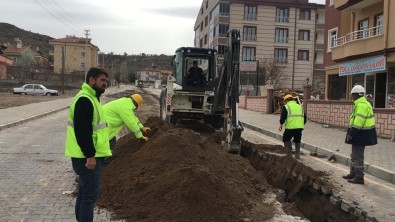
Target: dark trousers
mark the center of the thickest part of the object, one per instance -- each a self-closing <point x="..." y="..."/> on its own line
<point x="296" y="134"/>
<point x="88" y="188"/>
<point x="357" y="160"/>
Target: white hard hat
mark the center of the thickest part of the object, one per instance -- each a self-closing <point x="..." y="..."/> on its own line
<point x="358" y="89"/>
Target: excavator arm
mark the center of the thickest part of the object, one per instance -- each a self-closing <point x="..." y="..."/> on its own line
<point x="228" y="92"/>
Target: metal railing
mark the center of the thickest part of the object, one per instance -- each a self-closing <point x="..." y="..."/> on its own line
<point x="250" y="17"/>
<point x="249" y="38"/>
<point x="281" y="60"/>
<point x="358" y="35"/>
<point x="282" y="19"/>
<point x="281" y="40"/>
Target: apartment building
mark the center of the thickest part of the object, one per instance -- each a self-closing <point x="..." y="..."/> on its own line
<point x="363" y="47"/>
<point x="289" y="32"/>
<point x="79" y="54"/>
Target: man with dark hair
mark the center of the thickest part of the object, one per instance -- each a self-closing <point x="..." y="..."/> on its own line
<point x="87" y="141"/>
<point x="195" y="76"/>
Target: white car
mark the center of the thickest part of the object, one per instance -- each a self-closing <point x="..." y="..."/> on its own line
<point x="35" y="89"/>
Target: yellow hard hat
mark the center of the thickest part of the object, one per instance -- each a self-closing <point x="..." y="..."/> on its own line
<point x="137" y="98"/>
<point x="289" y="96"/>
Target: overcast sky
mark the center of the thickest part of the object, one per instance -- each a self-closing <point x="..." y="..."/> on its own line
<point x="134" y="27"/>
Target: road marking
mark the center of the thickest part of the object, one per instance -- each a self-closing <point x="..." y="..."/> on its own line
<point x="346" y="171"/>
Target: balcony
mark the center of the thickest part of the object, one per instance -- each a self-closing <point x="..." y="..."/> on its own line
<point x="360" y="35"/>
<point x="358" y="42"/>
<point x="282" y="19"/>
<point x="250" y="17"/>
<point x="281" y="39"/>
<point x="354" y="5"/>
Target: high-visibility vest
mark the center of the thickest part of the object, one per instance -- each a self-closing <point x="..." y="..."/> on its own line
<point x="100" y="129"/>
<point x="119" y="113"/>
<point x="362" y="117"/>
<point x="295" y="116"/>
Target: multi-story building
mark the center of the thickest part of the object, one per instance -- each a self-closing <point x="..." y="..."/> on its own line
<point x="364" y="49"/>
<point x="288" y="32"/>
<point x="78" y="54"/>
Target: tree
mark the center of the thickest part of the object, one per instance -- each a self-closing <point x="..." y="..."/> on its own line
<point x="26" y="62"/>
<point x="273" y="71"/>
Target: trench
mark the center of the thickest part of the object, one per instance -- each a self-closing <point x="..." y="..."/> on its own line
<point x="306" y="188"/>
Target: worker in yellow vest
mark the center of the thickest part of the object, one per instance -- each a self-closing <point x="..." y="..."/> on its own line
<point x="120" y="113"/>
<point x="361" y="132"/>
<point x="294" y="119"/>
<point x="87" y="141"/>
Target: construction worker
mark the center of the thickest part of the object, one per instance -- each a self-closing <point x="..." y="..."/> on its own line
<point x="294" y="118"/>
<point x="87" y="141"/>
<point x="361" y="132"/>
<point x="195" y="75"/>
<point x="119" y="113"/>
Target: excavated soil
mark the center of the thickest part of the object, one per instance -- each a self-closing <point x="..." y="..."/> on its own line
<point x="178" y="176"/>
<point x="183" y="174"/>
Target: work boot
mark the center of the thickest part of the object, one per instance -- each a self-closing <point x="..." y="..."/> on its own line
<point x="349" y="176"/>
<point x="288" y="148"/>
<point x="356" y="180"/>
<point x="297" y="151"/>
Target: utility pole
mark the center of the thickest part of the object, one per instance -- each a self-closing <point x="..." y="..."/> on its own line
<point x="63" y="66"/>
<point x="86" y="50"/>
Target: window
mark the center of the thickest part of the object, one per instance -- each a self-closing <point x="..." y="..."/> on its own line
<point x="82" y="66"/>
<point x="201" y="11"/>
<point x="337" y="87"/>
<point x="224" y="9"/>
<point x="363" y="29"/>
<point x="303" y="55"/>
<point x="222" y="30"/>
<point x="29" y="87"/>
<point x="221" y="49"/>
<point x="206" y="21"/>
<point x="281" y="35"/>
<point x="332" y="39"/>
<point x="281" y="55"/>
<point x="206" y="4"/>
<point x="205" y="39"/>
<point x="249" y="53"/>
<point x="282" y="15"/>
<point x="378" y="24"/>
<point x="249" y="33"/>
<point x="201" y="26"/>
<point x="250" y="13"/>
<point x="82" y="54"/>
<point x="304" y="14"/>
<point x="304" y="35"/>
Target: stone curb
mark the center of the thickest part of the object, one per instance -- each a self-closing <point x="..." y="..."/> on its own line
<point x="373" y="170"/>
<point x="18" y="122"/>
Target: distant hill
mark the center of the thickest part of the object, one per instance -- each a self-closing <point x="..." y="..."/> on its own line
<point x="115" y="64"/>
<point x="9" y="32"/>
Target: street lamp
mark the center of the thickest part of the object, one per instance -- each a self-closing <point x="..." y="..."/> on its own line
<point x="307" y="81"/>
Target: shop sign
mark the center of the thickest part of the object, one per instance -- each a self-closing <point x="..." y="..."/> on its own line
<point x="248" y="66"/>
<point x="360" y="66"/>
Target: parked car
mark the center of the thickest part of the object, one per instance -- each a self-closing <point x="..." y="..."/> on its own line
<point x="35" y="89"/>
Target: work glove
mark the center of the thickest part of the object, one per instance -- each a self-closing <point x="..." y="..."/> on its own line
<point x="144" y="138"/>
<point x="145" y="129"/>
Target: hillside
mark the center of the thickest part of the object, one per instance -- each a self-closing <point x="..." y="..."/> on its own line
<point x="9" y="32"/>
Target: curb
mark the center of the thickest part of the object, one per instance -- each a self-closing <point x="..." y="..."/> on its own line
<point x="18" y="122"/>
<point x="373" y="170"/>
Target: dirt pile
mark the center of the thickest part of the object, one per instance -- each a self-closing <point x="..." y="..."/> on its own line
<point x="180" y="176"/>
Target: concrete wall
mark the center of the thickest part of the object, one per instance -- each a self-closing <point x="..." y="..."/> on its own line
<point x="254" y="103"/>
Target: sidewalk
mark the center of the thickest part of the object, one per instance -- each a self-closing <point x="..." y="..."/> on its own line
<point x="379" y="159"/>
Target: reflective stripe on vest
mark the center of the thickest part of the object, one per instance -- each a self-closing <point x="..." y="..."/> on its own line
<point x="98" y="125"/>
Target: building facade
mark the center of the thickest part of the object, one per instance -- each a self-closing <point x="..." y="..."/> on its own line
<point x="77" y="54"/>
<point x="288" y="32"/>
<point x="4" y="62"/>
<point x="363" y="47"/>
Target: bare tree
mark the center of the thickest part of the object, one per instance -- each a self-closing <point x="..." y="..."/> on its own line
<point x="26" y="62"/>
<point x="274" y="72"/>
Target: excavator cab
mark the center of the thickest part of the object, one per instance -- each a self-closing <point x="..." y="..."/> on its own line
<point x="194" y="69"/>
